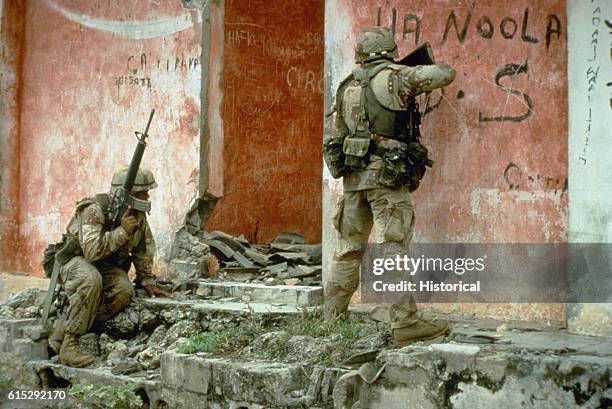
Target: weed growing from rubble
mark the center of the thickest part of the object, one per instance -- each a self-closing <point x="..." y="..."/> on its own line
<point x="340" y="335"/>
<point x="112" y="397"/>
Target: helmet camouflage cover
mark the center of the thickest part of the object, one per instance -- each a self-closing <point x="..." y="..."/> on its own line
<point x="144" y="180"/>
<point x="374" y="43"/>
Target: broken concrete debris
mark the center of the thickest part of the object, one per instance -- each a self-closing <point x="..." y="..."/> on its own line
<point x="196" y="354"/>
<point x="287" y="260"/>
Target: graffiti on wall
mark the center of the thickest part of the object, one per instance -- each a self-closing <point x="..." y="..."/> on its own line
<point x="460" y="25"/>
<point x="139" y="68"/>
<point x="272" y="110"/>
<point x="609" y="84"/>
<point x="498" y="133"/>
<point x="592" y="74"/>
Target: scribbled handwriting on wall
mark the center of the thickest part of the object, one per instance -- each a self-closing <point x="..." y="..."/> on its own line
<point x="592" y="74"/>
<point x="516" y="179"/>
<point x="459" y="23"/>
<point x="140" y="68"/>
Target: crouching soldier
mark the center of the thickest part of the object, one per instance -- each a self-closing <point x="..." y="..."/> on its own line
<point x="96" y="279"/>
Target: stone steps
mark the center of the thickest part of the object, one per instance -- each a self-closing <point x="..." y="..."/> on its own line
<point x="221" y="307"/>
<point x="300" y="296"/>
<point x="55" y="375"/>
<point x="196" y="381"/>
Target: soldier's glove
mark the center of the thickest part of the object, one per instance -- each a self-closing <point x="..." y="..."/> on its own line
<point x="129" y="223"/>
<point x="154" y="291"/>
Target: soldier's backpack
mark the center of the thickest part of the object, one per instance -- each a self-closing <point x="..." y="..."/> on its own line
<point x="400" y="166"/>
<point x="69" y="246"/>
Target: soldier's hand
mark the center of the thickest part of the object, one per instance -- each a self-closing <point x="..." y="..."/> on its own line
<point x="129" y="223"/>
<point x="155" y="291"/>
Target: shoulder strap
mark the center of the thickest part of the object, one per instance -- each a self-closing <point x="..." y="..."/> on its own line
<point x="340" y="93"/>
<point x="104" y="202"/>
<point x="364" y="75"/>
<point x="101" y="199"/>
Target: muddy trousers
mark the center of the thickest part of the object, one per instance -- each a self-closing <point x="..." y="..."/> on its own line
<point x="93" y="295"/>
<point x="390" y="212"/>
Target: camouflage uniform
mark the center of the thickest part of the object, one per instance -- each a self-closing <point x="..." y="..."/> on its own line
<point x="97" y="283"/>
<point x="366" y="202"/>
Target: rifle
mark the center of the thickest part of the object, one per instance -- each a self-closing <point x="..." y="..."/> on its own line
<point x="423" y="55"/>
<point x="71" y="245"/>
<point x="122" y="197"/>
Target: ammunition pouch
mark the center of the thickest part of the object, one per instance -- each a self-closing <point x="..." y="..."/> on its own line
<point x="333" y="154"/>
<point x="357" y="150"/>
<point x="403" y="166"/>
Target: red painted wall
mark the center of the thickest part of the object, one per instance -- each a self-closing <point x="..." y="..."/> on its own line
<point x="498" y="133"/>
<point x="12" y="23"/>
<point x="92" y="73"/>
<point x="272" y="115"/>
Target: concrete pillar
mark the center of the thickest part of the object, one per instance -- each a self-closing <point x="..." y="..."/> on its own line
<point x="590" y="147"/>
<point x="12" y="22"/>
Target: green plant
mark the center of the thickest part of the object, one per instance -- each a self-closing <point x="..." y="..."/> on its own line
<point x="108" y="396"/>
<point x="4" y="382"/>
<point x="234" y="340"/>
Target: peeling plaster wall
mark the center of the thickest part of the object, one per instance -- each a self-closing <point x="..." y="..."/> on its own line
<point x="91" y="74"/>
<point x="272" y="120"/>
<point x="11" y="60"/>
<point x="498" y="134"/>
<point x="590" y="109"/>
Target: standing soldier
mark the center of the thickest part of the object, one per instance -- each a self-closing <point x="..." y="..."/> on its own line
<point x="375" y="147"/>
<point x="96" y="277"/>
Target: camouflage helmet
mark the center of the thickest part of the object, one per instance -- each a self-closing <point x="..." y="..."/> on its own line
<point x="144" y="180"/>
<point x="374" y="43"/>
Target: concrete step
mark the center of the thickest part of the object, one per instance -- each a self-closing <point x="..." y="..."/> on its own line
<point x="226" y="307"/>
<point x="55" y="375"/>
<point x="191" y="380"/>
<point x="300" y="296"/>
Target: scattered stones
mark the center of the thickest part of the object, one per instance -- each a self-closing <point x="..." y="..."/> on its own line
<point x="118" y="354"/>
<point x="24" y="299"/>
<point x="158" y="335"/>
<point x="147" y="319"/>
<point x="265" y="340"/>
<point x="89" y="344"/>
<point x="6" y="311"/>
<point x="288" y="257"/>
<point x="172" y="316"/>
<point x="126" y="368"/>
<point x="370" y="342"/>
<point x="182" y="329"/>
<point x="121" y="326"/>
<point x="149" y="358"/>
<point x="292" y="281"/>
<point x="31" y="312"/>
<point x="303" y="348"/>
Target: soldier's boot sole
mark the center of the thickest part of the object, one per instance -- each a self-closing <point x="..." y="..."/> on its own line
<point x="78" y="363"/>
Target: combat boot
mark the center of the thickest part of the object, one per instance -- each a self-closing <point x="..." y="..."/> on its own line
<point x="70" y="352"/>
<point x="421" y="330"/>
<point x="57" y="336"/>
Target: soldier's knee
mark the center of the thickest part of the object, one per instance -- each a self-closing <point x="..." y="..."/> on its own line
<point x="345" y="275"/>
<point x="124" y="292"/>
<point x="348" y="255"/>
<point x="91" y="277"/>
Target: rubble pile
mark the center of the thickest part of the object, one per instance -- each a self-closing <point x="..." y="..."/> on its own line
<point x="24" y="304"/>
<point x="287" y="260"/>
